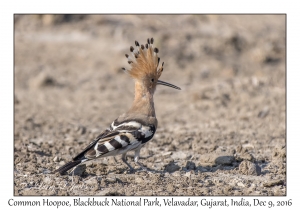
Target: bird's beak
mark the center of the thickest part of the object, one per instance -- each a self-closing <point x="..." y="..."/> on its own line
<point x="159" y="82"/>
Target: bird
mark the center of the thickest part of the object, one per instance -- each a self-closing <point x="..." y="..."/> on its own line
<point x="134" y="128"/>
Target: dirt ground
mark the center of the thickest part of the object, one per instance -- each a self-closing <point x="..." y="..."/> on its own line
<point x="224" y="133"/>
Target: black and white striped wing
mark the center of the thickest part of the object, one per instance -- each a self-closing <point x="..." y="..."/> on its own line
<point x="123" y="137"/>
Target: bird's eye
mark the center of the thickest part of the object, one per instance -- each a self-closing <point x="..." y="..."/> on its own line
<point x="152" y="80"/>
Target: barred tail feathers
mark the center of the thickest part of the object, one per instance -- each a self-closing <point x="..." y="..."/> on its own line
<point x="68" y="166"/>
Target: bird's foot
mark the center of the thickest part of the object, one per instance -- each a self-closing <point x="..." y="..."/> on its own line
<point x="143" y="168"/>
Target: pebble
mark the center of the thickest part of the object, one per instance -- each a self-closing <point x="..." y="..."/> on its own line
<point x="56" y="159"/>
<point x="111" y="179"/>
<point x="248" y="168"/>
<point x="61" y="163"/>
<point x="46" y="171"/>
<point x="79" y="170"/>
<point x="190" y="165"/>
<point x="272" y="183"/>
<point x="212" y="159"/>
<point x="172" y="167"/>
<point x="224" y="160"/>
<point x="240" y="184"/>
<point x="167" y="154"/>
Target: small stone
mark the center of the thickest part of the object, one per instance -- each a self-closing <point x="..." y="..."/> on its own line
<point x="190" y="165"/>
<point x="79" y="170"/>
<point x="188" y="174"/>
<point x="46" y="171"/>
<point x="224" y="160"/>
<point x="240" y="184"/>
<point x="248" y="168"/>
<point x="167" y="154"/>
<point x="220" y="158"/>
<point x="56" y="159"/>
<point x="111" y="179"/>
<point x="61" y="163"/>
<point x="272" y="183"/>
<point x="202" y="169"/>
<point x="103" y="192"/>
<point x="172" y="167"/>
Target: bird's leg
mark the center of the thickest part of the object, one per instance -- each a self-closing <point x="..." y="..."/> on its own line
<point x="73" y="173"/>
<point x="136" y="158"/>
<point x="125" y="161"/>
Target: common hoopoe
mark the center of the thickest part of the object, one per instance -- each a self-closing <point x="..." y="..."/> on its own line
<point x="133" y="129"/>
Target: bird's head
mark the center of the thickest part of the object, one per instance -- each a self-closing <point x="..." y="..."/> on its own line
<point x="145" y="68"/>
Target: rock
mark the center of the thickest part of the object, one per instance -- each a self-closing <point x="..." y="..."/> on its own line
<point x="167" y="154"/>
<point x="111" y="179"/>
<point x="61" y="163"/>
<point x="46" y="171"/>
<point x="240" y="184"/>
<point x="202" y="169"/>
<point x="248" y="168"/>
<point x="211" y="159"/>
<point x="272" y="183"/>
<point x="187" y="174"/>
<point x="79" y="170"/>
<point x="172" y="167"/>
<point x="224" y="160"/>
<point x="190" y="165"/>
<point x="56" y="159"/>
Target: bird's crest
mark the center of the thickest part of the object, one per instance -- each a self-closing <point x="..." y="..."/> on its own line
<point x="144" y="61"/>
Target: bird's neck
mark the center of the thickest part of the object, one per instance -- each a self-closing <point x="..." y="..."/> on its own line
<point x="143" y="101"/>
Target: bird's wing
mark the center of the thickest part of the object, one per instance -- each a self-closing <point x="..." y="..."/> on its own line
<point x="125" y="136"/>
<point x="92" y="144"/>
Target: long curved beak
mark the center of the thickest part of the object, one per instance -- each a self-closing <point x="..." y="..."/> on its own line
<point x="159" y="82"/>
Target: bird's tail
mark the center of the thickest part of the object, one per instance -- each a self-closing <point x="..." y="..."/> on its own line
<point x="68" y="166"/>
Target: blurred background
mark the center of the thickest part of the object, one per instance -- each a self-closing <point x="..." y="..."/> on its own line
<point x="69" y="84"/>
